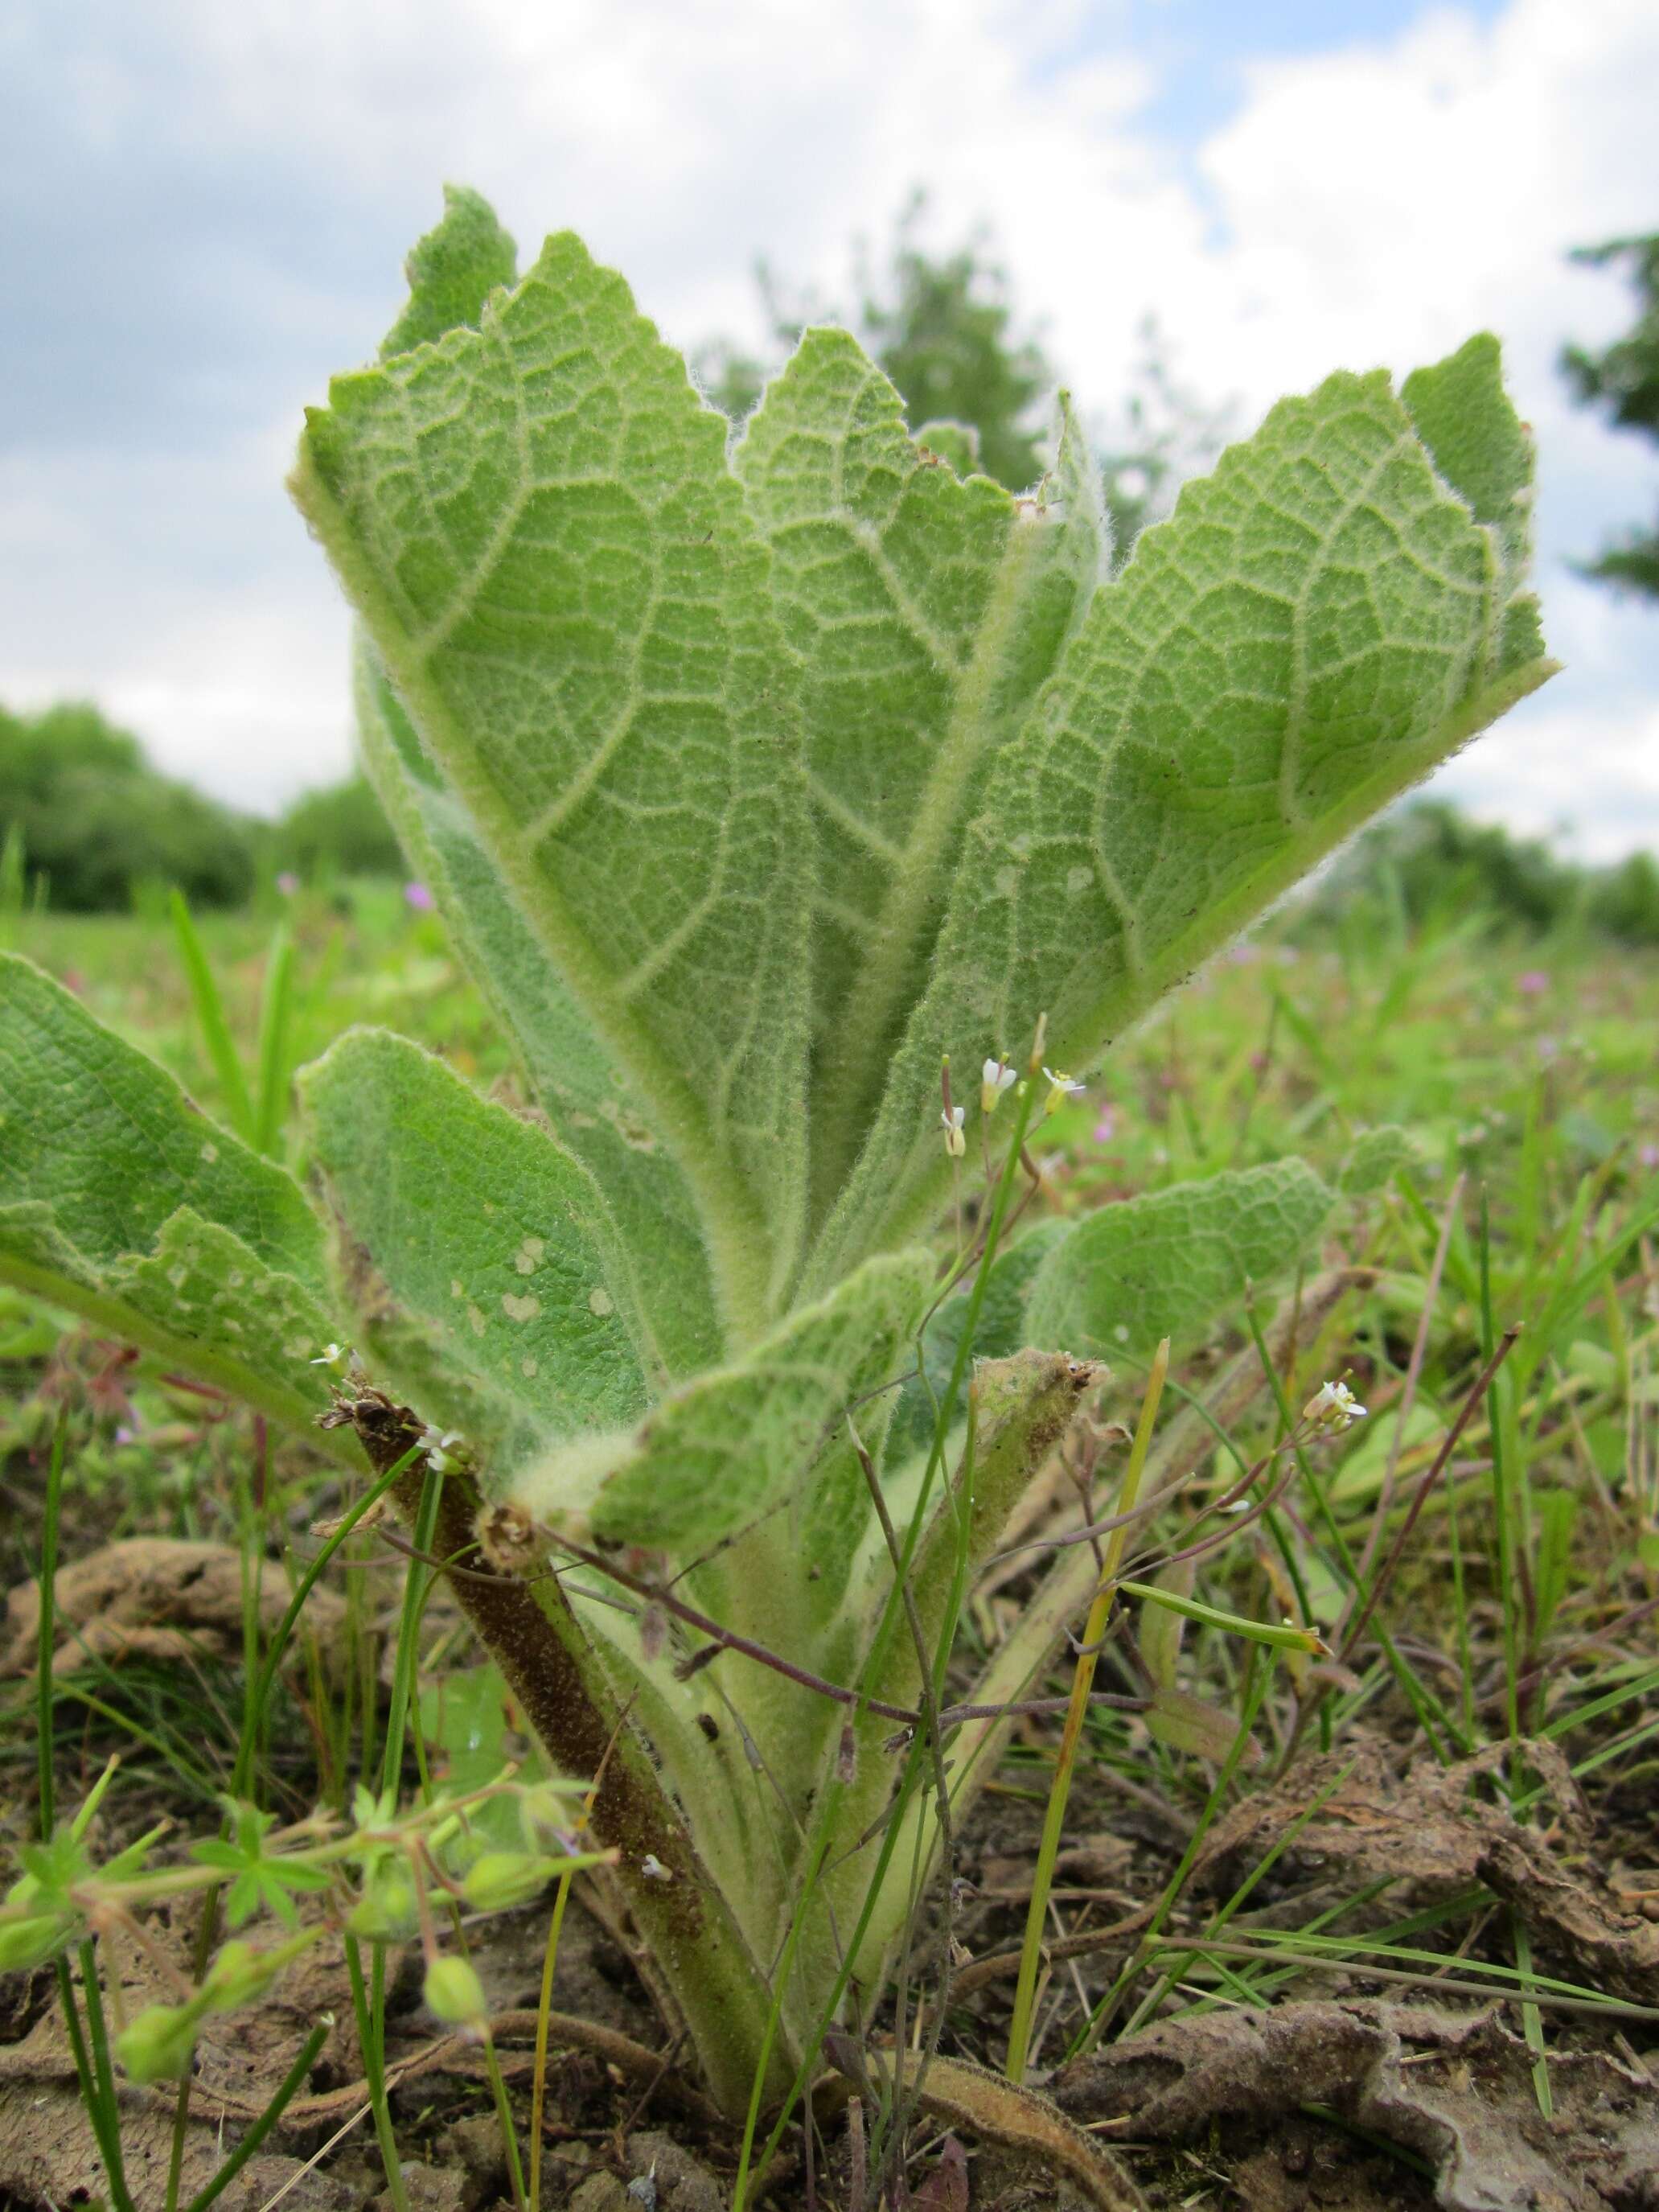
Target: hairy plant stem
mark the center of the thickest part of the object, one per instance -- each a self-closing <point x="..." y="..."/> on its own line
<point x="554" y="1675"/>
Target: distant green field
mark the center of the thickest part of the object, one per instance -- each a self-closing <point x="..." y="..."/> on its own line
<point x="1528" y="1065"/>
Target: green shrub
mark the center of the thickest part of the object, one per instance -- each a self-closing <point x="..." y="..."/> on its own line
<point x="1623" y="902"/>
<point x="339" y="830"/>
<point x="1430" y="862"/>
<point x="96" y="820"/>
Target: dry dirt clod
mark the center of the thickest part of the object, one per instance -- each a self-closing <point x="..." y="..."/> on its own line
<point x="1456" y="2089"/>
<point x="1428" y="1828"/>
<point x="602" y="2192"/>
<point x="155" y="1597"/>
<point x="680" y="2182"/>
<point x="429" y="2188"/>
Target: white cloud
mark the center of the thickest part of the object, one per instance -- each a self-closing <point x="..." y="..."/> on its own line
<point x="1374" y="202"/>
<point x="1533" y="779"/>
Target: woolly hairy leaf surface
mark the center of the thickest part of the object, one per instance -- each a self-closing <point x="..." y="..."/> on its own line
<point x="1320" y="621"/>
<point x="119" y="1198"/>
<point x="452" y="273"/>
<point x="927" y="609"/>
<point x="1164" y="1265"/>
<point x="475" y="1228"/>
<point x="662" y="1263"/>
<point x="535" y="521"/>
<point x="1477" y="442"/>
<point x="727" y="1447"/>
<point x="1375" y="1157"/>
<point x="661" y="1267"/>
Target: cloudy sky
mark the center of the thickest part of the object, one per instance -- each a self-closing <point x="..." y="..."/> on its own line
<point x="205" y="210"/>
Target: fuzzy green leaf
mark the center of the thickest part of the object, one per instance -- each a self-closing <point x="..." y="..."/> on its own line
<point x="927" y="609"/>
<point x="1477" y="442"/>
<point x="726" y="1448"/>
<point x="1321" y="622"/>
<point x="661" y="1268"/>
<point x="1165" y="1264"/>
<point x="660" y="1238"/>
<point x="452" y="273"/>
<point x="1374" y="1158"/>
<point x="468" y="1231"/>
<point x="535" y="521"/>
<point x="120" y="1200"/>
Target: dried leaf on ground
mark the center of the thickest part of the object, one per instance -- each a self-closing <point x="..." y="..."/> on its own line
<point x="1428" y="1828"/>
<point x="48" y="2155"/>
<point x="1455" y="2088"/>
<point x="946" y="2189"/>
<point x="990" y="2106"/>
<point x="155" y="1597"/>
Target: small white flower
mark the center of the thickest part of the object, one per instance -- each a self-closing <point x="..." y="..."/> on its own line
<point x="1333" y="1407"/>
<point x="332" y="1355"/>
<point x="955" y="1143"/>
<point x="1060" y="1088"/>
<point x="653" y="1870"/>
<point x="440" y="1448"/>
<point x="997" y="1075"/>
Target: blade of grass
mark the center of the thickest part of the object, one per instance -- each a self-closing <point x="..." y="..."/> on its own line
<point x="373" y="2049"/>
<point x="1500" y="1488"/>
<point x="211" y="1016"/>
<point x="1287" y="1638"/>
<point x="1261" y="1661"/>
<point x="1532" y="2022"/>
<point x="267" y="2119"/>
<point x="276" y="1011"/>
<point x="92" y="2065"/>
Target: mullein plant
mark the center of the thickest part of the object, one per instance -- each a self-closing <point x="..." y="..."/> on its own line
<point x="758" y="780"/>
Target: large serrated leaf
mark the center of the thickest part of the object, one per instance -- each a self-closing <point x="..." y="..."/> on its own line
<point x="927" y="609"/>
<point x="662" y="1265"/>
<point x="1320" y="621"/>
<point x="534" y="520"/>
<point x="722" y="1451"/>
<point x="469" y="1228"/>
<point x="120" y="1200"/>
<point x="1166" y="1264"/>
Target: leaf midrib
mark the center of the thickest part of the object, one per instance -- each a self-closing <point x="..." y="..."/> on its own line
<point x="842" y="1118"/>
<point x="739" y="1241"/>
<point x="1083" y="1043"/>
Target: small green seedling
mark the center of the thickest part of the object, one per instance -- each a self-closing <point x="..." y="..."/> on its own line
<point x="755" y="779"/>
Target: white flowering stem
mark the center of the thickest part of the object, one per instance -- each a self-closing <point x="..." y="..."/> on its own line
<point x="1019" y="2030"/>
